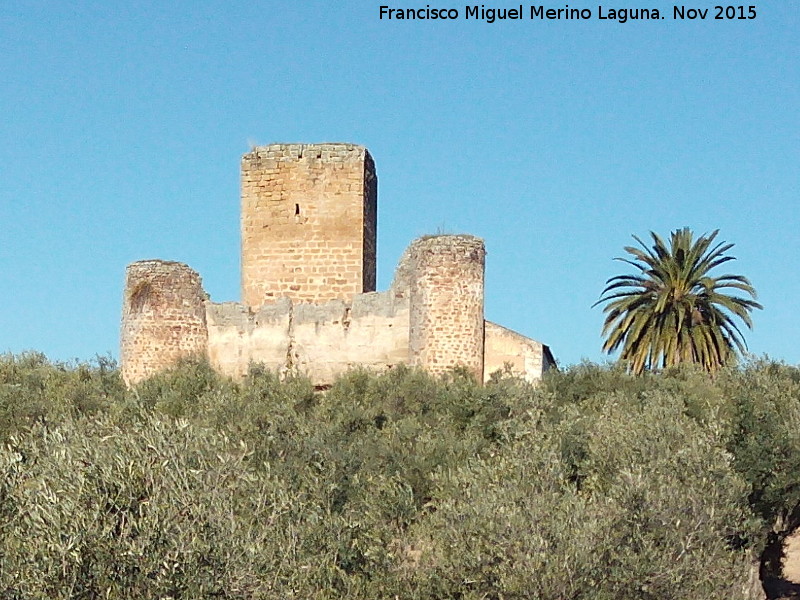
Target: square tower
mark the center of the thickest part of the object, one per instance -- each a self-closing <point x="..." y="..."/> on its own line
<point x="309" y="222"/>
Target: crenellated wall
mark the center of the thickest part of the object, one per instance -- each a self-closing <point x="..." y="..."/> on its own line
<point x="308" y="274"/>
<point x="318" y="340"/>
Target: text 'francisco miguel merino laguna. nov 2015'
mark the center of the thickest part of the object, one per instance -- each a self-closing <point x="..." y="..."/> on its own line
<point x="542" y="13"/>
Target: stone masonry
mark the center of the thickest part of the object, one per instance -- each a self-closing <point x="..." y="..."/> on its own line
<point x="309" y="221"/>
<point x="164" y="316"/>
<point x="446" y="319"/>
<point x="309" y="225"/>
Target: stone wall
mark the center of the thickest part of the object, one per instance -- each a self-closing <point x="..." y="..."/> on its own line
<point x="437" y="287"/>
<point x="505" y="348"/>
<point x="446" y="320"/>
<point x="309" y="227"/>
<point x="309" y="222"/>
<point x="319" y="340"/>
<point x="163" y="317"/>
<point x="238" y="337"/>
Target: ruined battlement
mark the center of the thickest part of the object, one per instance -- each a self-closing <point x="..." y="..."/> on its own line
<point x="446" y="314"/>
<point x="309" y="226"/>
<point x="334" y="152"/>
<point x="163" y="316"/>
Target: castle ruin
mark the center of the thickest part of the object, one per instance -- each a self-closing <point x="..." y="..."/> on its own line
<point x="309" y="305"/>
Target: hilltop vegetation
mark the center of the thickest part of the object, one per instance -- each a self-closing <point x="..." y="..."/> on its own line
<point x="597" y="484"/>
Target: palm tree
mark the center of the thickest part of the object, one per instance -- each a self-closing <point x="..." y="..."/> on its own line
<point x="673" y="311"/>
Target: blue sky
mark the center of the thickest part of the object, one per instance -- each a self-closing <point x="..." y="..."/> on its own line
<point x="123" y="125"/>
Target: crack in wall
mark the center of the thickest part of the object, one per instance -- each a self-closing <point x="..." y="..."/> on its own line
<point x="291" y="367"/>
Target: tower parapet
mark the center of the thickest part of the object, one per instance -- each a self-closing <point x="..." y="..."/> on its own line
<point x="309" y="222"/>
<point x="446" y="303"/>
<point x="163" y="317"/>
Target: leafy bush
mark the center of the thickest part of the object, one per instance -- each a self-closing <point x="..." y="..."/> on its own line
<point x="595" y="484"/>
<point x="765" y="438"/>
<point x="32" y="390"/>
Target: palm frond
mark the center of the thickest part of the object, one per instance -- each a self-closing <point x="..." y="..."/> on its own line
<point x="673" y="309"/>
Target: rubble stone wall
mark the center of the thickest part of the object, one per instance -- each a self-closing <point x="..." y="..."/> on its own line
<point x="163" y="317"/>
<point x="446" y="320"/>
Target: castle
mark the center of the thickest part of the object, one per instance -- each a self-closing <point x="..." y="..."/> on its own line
<point x="309" y="305"/>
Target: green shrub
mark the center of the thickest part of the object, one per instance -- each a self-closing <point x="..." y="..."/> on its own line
<point x="655" y="518"/>
<point x="765" y="440"/>
<point x="595" y="484"/>
<point x="33" y="390"/>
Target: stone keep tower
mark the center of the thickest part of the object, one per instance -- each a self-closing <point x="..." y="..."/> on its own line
<point x="309" y="222"/>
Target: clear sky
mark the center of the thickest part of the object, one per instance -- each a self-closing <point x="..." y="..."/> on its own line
<point x="123" y="124"/>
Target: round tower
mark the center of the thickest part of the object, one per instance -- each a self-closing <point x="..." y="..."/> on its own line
<point x="446" y="304"/>
<point x="163" y="317"/>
